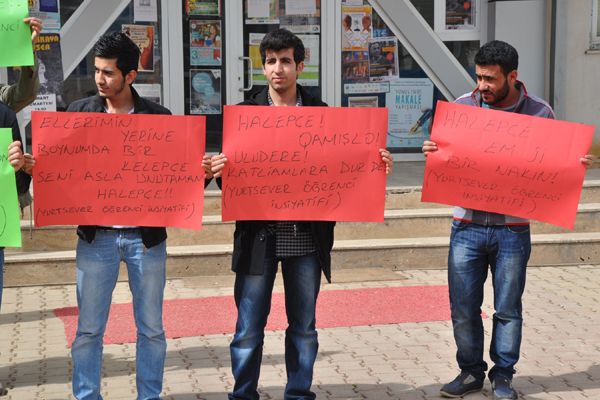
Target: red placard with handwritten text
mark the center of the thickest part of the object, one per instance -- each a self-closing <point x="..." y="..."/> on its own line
<point x="118" y="169"/>
<point x="303" y="163"/>
<point x="507" y="163"/>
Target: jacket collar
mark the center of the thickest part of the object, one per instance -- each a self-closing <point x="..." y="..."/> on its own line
<point x="139" y="106"/>
<point x="261" y="98"/>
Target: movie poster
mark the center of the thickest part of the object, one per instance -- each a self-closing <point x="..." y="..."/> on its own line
<point x="203" y="7"/>
<point x="410" y="107"/>
<point x="143" y="36"/>
<point x="205" y="42"/>
<point x="205" y="91"/>
<point x="355" y="66"/>
<point x="383" y="59"/>
<point x="460" y="14"/>
<point x="356" y="27"/>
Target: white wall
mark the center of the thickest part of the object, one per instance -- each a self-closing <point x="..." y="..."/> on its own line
<point x="577" y="76"/>
<point x="523" y="25"/>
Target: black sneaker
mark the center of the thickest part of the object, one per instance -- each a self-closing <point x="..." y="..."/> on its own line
<point x="3" y="391"/>
<point x="463" y="384"/>
<point x="502" y="389"/>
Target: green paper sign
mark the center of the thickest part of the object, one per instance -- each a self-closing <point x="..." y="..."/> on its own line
<point x="10" y="224"/>
<point x="15" y="36"/>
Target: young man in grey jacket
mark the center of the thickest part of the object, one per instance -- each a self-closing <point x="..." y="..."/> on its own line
<point x="481" y="238"/>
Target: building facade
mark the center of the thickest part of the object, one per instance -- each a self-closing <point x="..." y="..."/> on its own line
<point x="199" y="55"/>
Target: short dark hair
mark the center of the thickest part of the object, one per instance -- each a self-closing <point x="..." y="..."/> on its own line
<point x="117" y="45"/>
<point x="499" y="53"/>
<point x="282" y="39"/>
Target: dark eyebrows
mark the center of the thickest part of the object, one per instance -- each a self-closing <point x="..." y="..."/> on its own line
<point x="105" y="70"/>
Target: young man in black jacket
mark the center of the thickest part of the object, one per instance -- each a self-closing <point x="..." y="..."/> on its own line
<point x="100" y="249"/>
<point x="303" y="248"/>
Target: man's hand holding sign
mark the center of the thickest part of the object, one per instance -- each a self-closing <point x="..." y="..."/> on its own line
<point x="507" y="163"/>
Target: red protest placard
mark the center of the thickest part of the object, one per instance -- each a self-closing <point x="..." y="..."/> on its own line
<point x="507" y="163"/>
<point x="118" y="169"/>
<point x="303" y="163"/>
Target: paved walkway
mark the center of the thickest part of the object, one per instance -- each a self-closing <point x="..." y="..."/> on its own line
<point x="560" y="357"/>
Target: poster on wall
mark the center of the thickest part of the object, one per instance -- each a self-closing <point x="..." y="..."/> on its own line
<point x="410" y="104"/>
<point x="355" y="66"/>
<point x="379" y="27"/>
<point x="363" y="101"/>
<point x="254" y="40"/>
<point x="300" y="7"/>
<point x="375" y="87"/>
<point x="262" y="12"/>
<point x="205" y="42"/>
<point x="205" y="91"/>
<point x="460" y="14"/>
<point x="143" y="37"/>
<point x="145" y="10"/>
<point x="356" y="27"/>
<point x="310" y="74"/>
<point x="203" y="7"/>
<point x="48" y="11"/>
<point x="300" y="16"/>
<point x="383" y="59"/>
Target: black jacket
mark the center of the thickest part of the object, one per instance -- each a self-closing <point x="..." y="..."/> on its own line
<point x="151" y="236"/>
<point x="8" y="119"/>
<point x="249" y="240"/>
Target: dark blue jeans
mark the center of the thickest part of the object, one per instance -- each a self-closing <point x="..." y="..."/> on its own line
<point x="302" y="279"/>
<point x="506" y="250"/>
<point x="97" y="272"/>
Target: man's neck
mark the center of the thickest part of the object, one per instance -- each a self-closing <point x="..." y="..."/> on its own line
<point x="122" y="103"/>
<point x="288" y="98"/>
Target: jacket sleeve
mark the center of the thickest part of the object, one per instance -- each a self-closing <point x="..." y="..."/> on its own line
<point x="17" y="96"/>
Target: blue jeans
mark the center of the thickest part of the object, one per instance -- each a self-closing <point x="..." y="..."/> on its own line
<point x="302" y="280"/>
<point x="97" y="272"/>
<point x="506" y="250"/>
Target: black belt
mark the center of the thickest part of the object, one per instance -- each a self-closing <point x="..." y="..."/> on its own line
<point x="112" y="228"/>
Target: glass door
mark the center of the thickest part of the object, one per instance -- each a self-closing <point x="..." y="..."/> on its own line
<point x="302" y="17"/>
<point x="204" y="61"/>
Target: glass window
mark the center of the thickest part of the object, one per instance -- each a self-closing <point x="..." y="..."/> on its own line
<point x="595" y="36"/>
<point x="204" y="44"/>
<point x="56" y="94"/>
<point x="377" y="71"/>
<point x="147" y="35"/>
<point x="67" y="8"/>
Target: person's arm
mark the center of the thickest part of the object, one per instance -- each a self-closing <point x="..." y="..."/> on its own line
<point x="23" y="93"/>
<point x="17" y="159"/>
